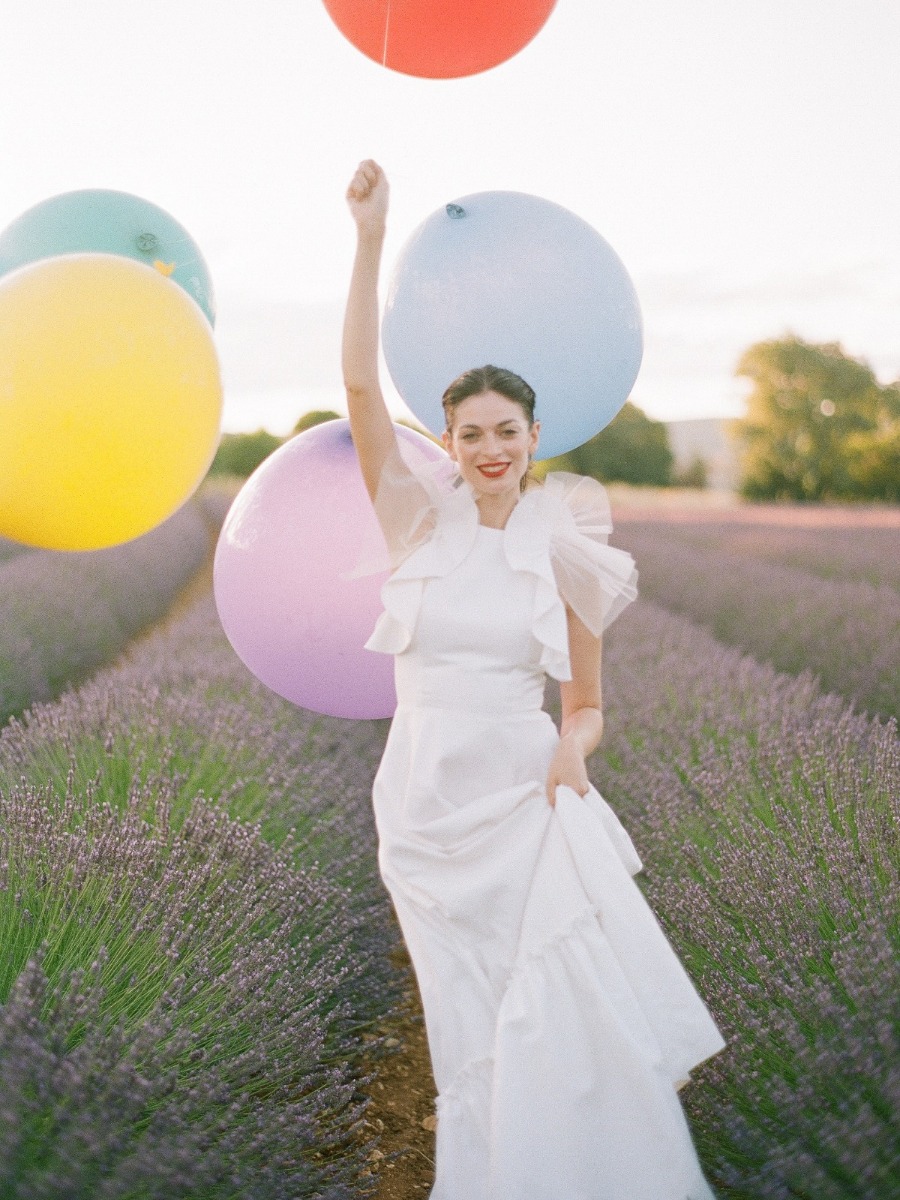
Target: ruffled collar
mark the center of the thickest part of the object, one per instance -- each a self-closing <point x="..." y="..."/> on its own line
<point x="557" y="533"/>
<point x="526" y="544"/>
<point x="524" y="538"/>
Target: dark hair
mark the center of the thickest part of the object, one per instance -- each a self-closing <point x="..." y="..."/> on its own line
<point x="488" y="379"/>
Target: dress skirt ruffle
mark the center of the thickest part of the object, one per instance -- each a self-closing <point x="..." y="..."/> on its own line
<point x="560" y="1020"/>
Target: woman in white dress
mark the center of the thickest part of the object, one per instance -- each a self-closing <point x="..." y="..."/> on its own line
<point x="560" y="1021"/>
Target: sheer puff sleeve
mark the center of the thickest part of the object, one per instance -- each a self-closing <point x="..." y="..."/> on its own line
<point x="410" y="490"/>
<point x="595" y="579"/>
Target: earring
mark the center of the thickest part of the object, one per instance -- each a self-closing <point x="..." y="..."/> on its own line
<point x="523" y="482"/>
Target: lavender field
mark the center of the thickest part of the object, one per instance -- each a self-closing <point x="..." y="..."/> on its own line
<point x="768" y="818"/>
<point x="820" y="597"/>
<point x="195" y="945"/>
<point x="64" y="614"/>
<point x="195" y="940"/>
<point x="9" y="549"/>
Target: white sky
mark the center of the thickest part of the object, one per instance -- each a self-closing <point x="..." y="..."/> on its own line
<point x="742" y="156"/>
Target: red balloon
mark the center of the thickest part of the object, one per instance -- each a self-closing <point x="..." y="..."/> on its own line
<point x="439" y="39"/>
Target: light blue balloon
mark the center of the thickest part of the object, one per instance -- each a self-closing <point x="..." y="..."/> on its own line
<point x="101" y="221"/>
<point x="520" y="282"/>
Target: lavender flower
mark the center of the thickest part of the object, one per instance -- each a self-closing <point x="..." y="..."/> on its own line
<point x="847" y="632"/>
<point x="168" y="995"/>
<point x="213" y="847"/>
<point x="768" y="818"/>
<point x="63" y="614"/>
<point x="832" y="545"/>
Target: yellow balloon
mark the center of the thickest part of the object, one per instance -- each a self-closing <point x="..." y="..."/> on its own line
<point x="110" y="400"/>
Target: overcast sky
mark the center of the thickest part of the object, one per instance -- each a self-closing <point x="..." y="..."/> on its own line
<point x="742" y="157"/>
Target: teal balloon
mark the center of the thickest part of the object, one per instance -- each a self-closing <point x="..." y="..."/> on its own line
<point x="100" y="221"/>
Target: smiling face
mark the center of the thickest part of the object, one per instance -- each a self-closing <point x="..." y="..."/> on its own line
<point x="491" y="441"/>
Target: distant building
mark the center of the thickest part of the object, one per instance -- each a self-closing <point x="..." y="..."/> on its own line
<point x="706" y="438"/>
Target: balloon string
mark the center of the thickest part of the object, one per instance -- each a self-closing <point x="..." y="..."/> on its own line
<point x="387" y="25"/>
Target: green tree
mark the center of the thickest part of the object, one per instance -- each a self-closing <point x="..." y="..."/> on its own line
<point x="632" y="448"/>
<point x="241" y="453"/>
<point x="873" y="456"/>
<point x="317" y="417"/>
<point x="819" y="426"/>
<point x="694" y="475"/>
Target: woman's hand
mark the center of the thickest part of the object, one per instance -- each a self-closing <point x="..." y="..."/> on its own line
<point x="567" y="768"/>
<point x="367" y="197"/>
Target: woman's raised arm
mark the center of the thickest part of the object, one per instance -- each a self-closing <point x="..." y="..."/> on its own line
<point x="370" y="422"/>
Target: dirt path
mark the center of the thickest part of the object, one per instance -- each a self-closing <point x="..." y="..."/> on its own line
<point x="402" y="1108"/>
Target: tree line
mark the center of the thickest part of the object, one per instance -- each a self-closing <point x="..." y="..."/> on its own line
<point x="818" y="427"/>
<point x="633" y="448"/>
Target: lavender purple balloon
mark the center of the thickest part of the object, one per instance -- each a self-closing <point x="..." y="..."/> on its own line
<point x="302" y="522"/>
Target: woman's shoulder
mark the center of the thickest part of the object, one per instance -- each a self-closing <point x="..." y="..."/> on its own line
<point x="581" y="498"/>
<point x="568" y="482"/>
<point x="595" y="580"/>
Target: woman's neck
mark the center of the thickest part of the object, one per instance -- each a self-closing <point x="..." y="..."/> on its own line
<point x="494" y="511"/>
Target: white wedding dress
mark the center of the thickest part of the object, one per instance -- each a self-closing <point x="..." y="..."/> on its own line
<point x="560" y="1021"/>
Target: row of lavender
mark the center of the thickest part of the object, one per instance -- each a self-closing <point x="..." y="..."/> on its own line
<point x="844" y="546"/>
<point x="64" y="614"/>
<point x="824" y="600"/>
<point x="194" y="944"/>
<point x="768" y="818"/>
